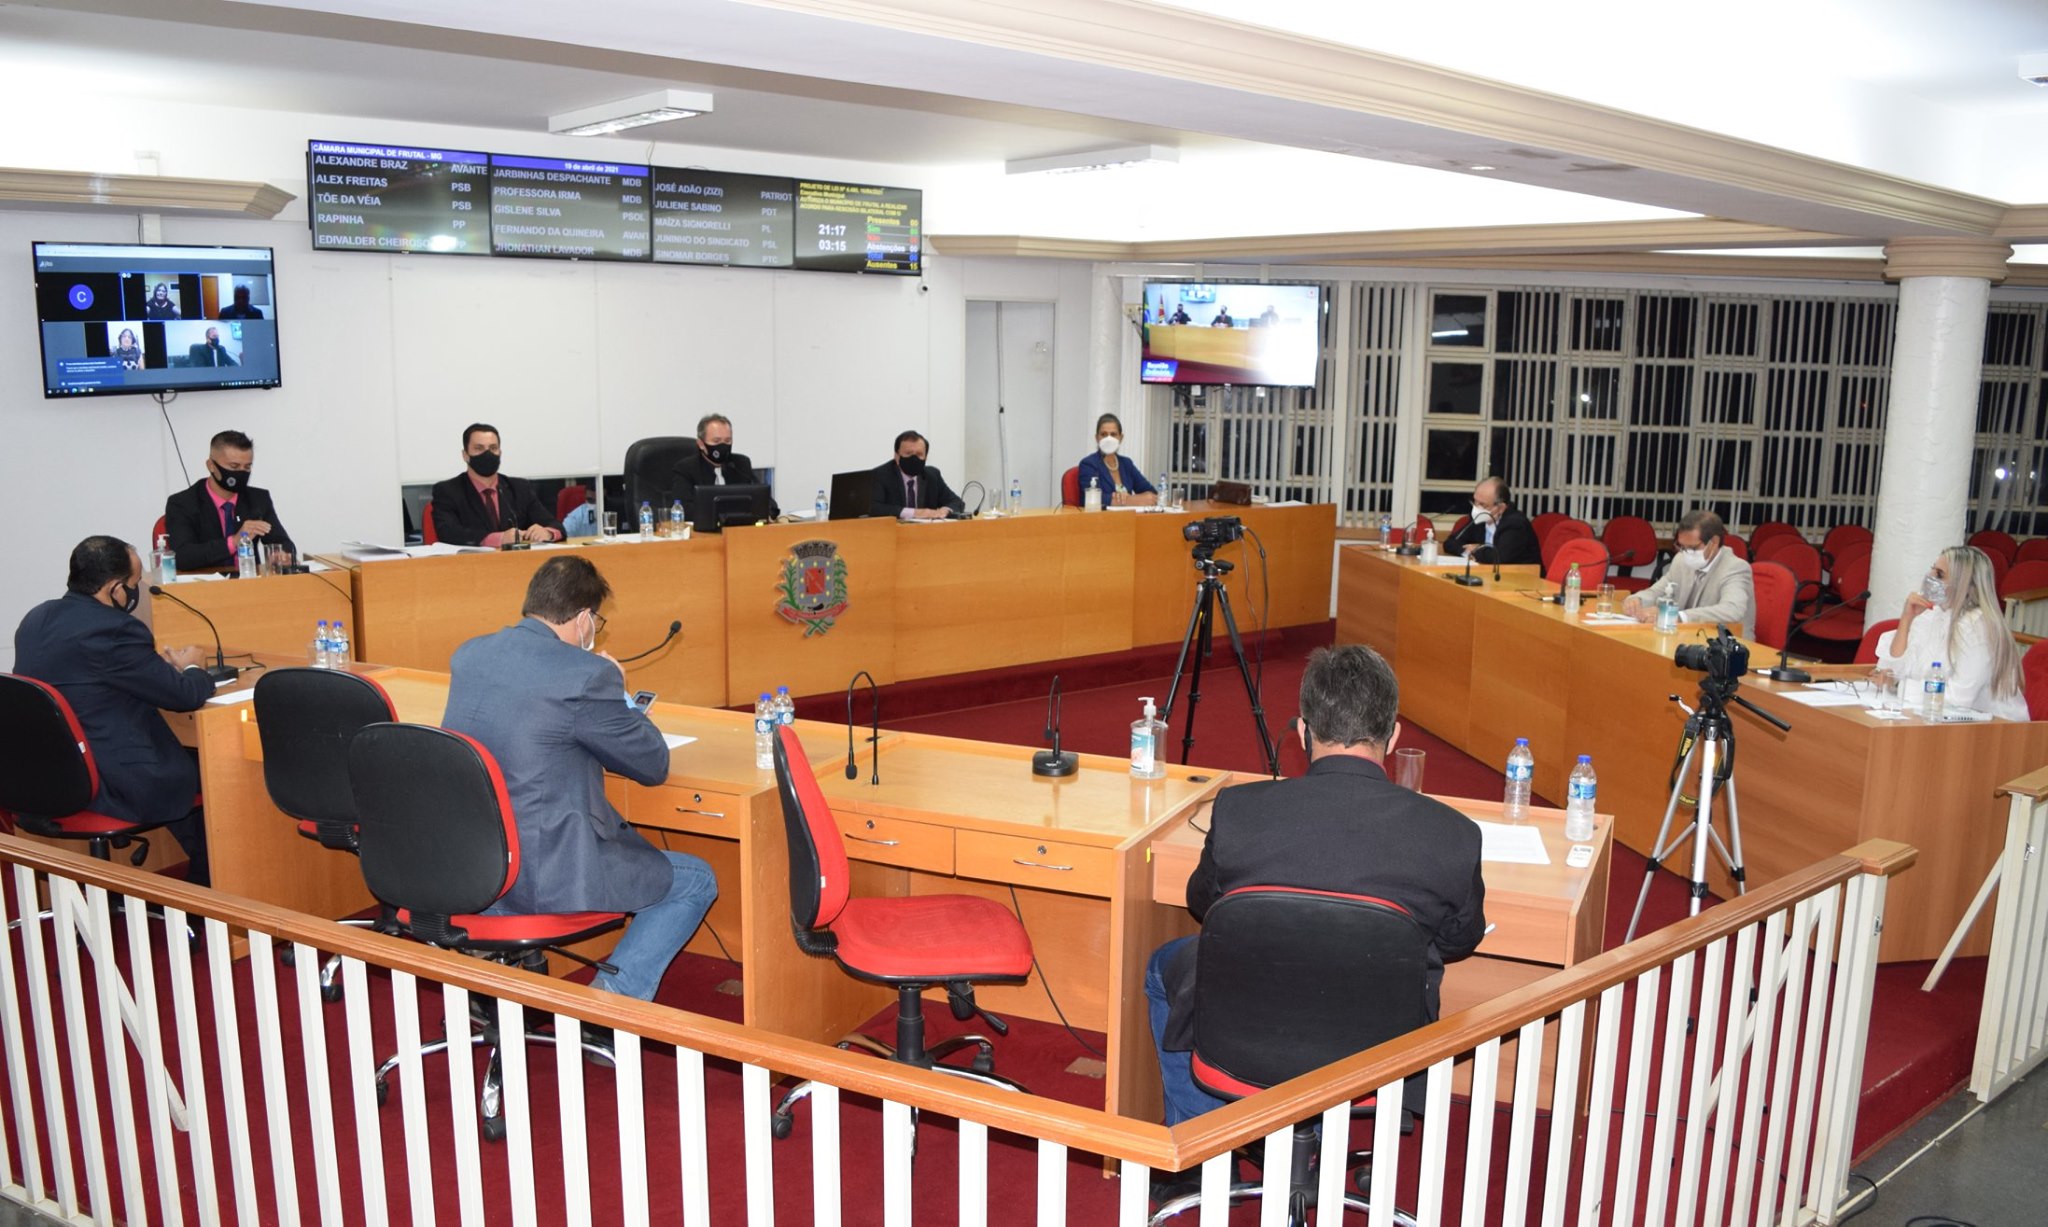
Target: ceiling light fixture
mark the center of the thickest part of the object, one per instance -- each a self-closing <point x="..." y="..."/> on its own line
<point x="1093" y="159"/>
<point x="1482" y="168"/>
<point x="2034" y="68"/>
<point x="659" y="107"/>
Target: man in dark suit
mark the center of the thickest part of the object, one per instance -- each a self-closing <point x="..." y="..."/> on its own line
<point x="206" y="522"/>
<point x="1499" y="532"/>
<point x="102" y="659"/>
<point x="714" y="463"/>
<point x="909" y="489"/>
<point x="210" y="353"/>
<point x="484" y="507"/>
<point x="1343" y="827"/>
<point x="555" y="714"/>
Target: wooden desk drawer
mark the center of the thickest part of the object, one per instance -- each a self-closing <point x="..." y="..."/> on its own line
<point x="1043" y="863"/>
<point x="675" y="808"/>
<point x="893" y="841"/>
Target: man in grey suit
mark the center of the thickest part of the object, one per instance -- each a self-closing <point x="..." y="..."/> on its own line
<point x="1706" y="580"/>
<point x="555" y="714"/>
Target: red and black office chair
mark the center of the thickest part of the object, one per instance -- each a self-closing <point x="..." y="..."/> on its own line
<point x="1288" y="981"/>
<point x="305" y="719"/>
<point x="1997" y="544"/>
<point x="1566" y="529"/>
<point x="2034" y="549"/>
<point x="1841" y="538"/>
<point x="428" y="533"/>
<point x="568" y="499"/>
<point x="1543" y="524"/>
<point x="1776" y="590"/>
<point x="1866" y="649"/>
<point x="1761" y="535"/>
<point x="1849" y="584"/>
<point x="48" y="778"/>
<point x="438" y="844"/>
<point x="2034" y="675"/>
<point x="2027" y="575"/>
<point x="1741" y="547"/>
<point x="1070" y="487"/>
<point x="1590" y="556"/>
<point x="1631" y="542"/>
<point x="910" y="943"/>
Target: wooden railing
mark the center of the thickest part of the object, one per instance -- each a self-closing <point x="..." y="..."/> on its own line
<point x="1787" y="968"/>
<point x="2012" y="1030"/>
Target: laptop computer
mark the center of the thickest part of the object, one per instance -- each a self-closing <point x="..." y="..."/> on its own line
<point x="853" y="494"/>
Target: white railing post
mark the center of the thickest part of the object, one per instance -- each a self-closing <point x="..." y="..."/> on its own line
<point x="1855" y="980"/>
<point x="2010" y="1039"/>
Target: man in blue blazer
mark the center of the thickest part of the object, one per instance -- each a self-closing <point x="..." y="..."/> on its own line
<point x="104" y="662"/>
<point x="555" y="714"/>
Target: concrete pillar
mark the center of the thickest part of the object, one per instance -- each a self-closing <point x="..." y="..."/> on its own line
<point x="1923" y="489"/>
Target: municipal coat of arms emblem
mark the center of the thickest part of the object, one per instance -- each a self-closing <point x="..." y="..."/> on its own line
<point x="813" y="586"/>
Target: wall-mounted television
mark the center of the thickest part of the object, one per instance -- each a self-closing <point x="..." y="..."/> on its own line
<point x="1205" y="332"/>
<point x="122" y="318"/>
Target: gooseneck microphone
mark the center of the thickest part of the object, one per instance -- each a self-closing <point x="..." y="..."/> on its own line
<point x="674" y="628"/>
<point x="874" y="728"/>
<point x="219" y="670"/>
<point x="1469" y="580"/>
<point x="1783" y="670"/>
<point x="1054" y="762"/>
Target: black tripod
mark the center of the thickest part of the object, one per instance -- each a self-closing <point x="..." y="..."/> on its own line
<point x="1208" y="594"/>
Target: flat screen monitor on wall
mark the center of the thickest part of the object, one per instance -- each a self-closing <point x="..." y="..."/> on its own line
<point x="1202" y="333"/>
<point x="124" y="318"/>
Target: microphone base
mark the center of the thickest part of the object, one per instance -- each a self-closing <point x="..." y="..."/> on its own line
<point x="1055" y="764"/>
<point x="1468" y="581"/>
<point x="224" y="674"/>
<point x="1785" y="673"/>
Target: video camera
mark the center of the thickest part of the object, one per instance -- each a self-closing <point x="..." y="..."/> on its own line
<point x="1722" y="658"/>
<point x="1209" y="533"/>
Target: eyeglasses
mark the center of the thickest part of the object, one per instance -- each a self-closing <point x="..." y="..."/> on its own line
<point x="597" y="624"/>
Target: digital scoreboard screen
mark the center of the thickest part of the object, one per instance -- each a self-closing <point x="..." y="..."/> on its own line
<point x="714" y="217"/>
<point x="856" y="228"/>
<point x="398" y="198"/>
<point x="569" y="209"/>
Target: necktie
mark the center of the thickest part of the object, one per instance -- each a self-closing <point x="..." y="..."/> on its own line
<point x="910" y="492"/>
<point x="491" y="507"/>
<point x="227" y="520"/>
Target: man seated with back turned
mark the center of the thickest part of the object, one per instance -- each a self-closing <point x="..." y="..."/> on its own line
<point x="714" y="463"/>
<point x="485" y="507"/>
<point x="103" y="660"/>
<point x="1499" y="532"/>
<point x="1706" y="580"/>
<point x="555" y="714"/>
<point x="207" y="522"/>
<point x="907" y="488"/>
<point x="1343" y="827"/>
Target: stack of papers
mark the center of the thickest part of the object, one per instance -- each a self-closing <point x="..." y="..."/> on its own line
<point x="1507" y="843"/>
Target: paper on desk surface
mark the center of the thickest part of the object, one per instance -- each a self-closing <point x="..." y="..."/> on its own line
<point x="1507" y="843"/>
<point x="243" y="695"/>
<point x="1824" y="698"/>
<point x="676" y="741"/>
<point x="1596" y="618"/>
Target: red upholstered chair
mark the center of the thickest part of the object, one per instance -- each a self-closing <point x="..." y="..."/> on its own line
<point x="1801" y="559"/>
<point x="439" y="843"/>
<point x="2000" y="568"/>
<point x="1866" y="651"/>
<point x="569" y="499"/>
<point x="1776" y="589"/>
<point x="1844" y="564"/>
<point x="427" y="531"/>
<point x="1070" y="487"/>
<point x="1541" y="525"/>
<point x="1397" y="536"/>
<point x="1841" y="537"/>
<point x="1423" y="526"/>
<point x="161" y="523"/>
<point x="1849" y="583"/>
<point x="910" y="943"/>
<point x="1631" y="542"/>
<point x="48" y="778"/>
<point x="1737" y="544"/>
<point x="1765" y="531"/>
<point x="1460" y="526"/>
<point x="2034" y="670"/>
<point x="2027" y="575"/>
<point x="2032" y="550"/>
<point x="1588" y="553"/>
<point x="1565" y="530"/>
<point x="1997" y="544"/>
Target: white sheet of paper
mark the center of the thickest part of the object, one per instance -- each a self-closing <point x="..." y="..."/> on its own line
<point x="676" y="741"/>
<point x="1507" y="843"/>
<point x="1823" y="698"/>
<point x="234" y="696"/>
<point x="1597" y="618"/>
<point x="441" y="549"/>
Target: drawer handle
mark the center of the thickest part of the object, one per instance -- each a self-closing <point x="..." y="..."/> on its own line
<point x="880" y="843"/>
<point x="708" y="813"/>
<point x="1018" y="860"/>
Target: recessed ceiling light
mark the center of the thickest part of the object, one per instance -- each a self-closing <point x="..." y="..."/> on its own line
<point x="1483" y="168"/>
<point x="1093" y="159"/>
<point x="658" y="107"/>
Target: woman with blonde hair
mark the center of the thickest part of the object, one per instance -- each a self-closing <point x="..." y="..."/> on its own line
<point x="1954" y="619"/>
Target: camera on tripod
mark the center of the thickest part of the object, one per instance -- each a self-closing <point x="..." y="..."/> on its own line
<point x="1209" y="533"/>
<point x="1722" y="658"/>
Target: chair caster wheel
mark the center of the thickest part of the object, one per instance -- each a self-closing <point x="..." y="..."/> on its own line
<point x="780" y="1125"/>
<point x="383" y="1092"/>
<point x="288" y="955"/>
<point x="330" y="992"/>
<point x="983" y="1063"/>
<point x="494" y="1128"/>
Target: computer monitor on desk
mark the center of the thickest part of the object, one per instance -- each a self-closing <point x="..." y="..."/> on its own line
<point x="853" y="494"/>
<point x="713" y="508"/>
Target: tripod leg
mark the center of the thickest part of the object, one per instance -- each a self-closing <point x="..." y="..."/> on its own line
<point x="1199" y="630"/>
<point x="1251" y="691"/>
<point x="1658" y="848"/>
<point x="1703" y="816"/>
<point x="1180" y="662"/>
<point x="1735" y="842"/>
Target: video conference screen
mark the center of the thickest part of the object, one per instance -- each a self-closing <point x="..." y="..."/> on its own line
<point x="118" y="318"/>
<point x="394" y="198"/>
<point x="857" y="228"/>
<point x="559" y="207"/>
<point x="715" y="217"/>
<point x="1201" y="333"/>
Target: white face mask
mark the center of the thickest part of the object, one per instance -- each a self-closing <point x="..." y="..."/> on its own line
<point x="1690" y="560"/>
<point x="588" y="640"/>
<point x="1934" y="590"/>
<point x="1481" y="515"/>
<point x="1108" y="444"/>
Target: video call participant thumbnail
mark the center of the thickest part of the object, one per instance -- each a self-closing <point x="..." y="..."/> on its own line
<point x="485" y="507"/>
<point x="240" y="308"/>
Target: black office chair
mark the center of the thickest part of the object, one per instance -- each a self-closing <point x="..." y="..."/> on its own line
<point x="650" y="467"/>
<point x="305" y="718"/>
<point x="438" y="843"/>
<point x="48" y="778"/>
<point x="1288" y="981"/>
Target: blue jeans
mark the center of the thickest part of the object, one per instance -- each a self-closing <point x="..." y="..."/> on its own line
<point x="1184" y="1100"/>
<point x="657" y="933"/>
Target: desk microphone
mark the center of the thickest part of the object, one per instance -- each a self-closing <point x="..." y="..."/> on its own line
<point x="219" y="670"/>
<point x="1496" y="566"/>
<point x="979" y="503"/>
<point x="1054" y="762"/>
<point x="874" y="728"/>
<point x="674" y="628"/>
<point x="1469" y="580"/>
<point x="1783" y="670"/>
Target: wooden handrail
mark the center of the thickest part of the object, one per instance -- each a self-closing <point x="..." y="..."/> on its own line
<point x="1088" y="1129"/>
<point x="2033" y="784"/>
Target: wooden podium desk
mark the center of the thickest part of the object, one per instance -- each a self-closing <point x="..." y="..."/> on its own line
<point x="1482" y="666"/>
<point x="270" y="614"/>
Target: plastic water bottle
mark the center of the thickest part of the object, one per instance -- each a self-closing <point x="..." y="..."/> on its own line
<point x="1581" y="792"/>
<point x="1091" y="498"/>
<point x="785" y="707"/>
<point x="1016" y="495"/>
<point x="1934" y="692"/>
<point x="1572" y="592"/>
<point x="820" y="509"/>
<point x="1521" y="769"/>
<point x="316" y="651"/>
<point x="646" y="521"/>
<point x="677" y="517"/>
<point x="1386" y="532"/>
<point x="337" y="645"/>
<point x="1148" y="740"/>
<point x="245" y="558"/>
<point x="166" y="560"/>
<point x="764" y="732"/>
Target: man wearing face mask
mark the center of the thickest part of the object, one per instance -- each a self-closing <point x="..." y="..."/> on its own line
<point x="714" y="463"/>
<point x="909" y="489"/>
<point x="1499" y="532"/>
<point x="485" y="507"/>
<point x="104" y="662"/>
<point x="207" y="522"/>
<point x="555" y="714"/>
<point x="1706" y="580"/>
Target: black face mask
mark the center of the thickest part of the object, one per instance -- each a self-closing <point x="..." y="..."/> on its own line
<point x="484" y="464"/>
<point x="912" y="466"/>
<point x="133" y="598"/>
<point x="718" y="453"/>
<point x="234" y="481"/>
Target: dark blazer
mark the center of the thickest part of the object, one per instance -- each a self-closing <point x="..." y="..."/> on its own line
<point x="693" y="471"/>
<point x="1092" y="465"/>
<point x="932" y="492"/>
<point x="105" y="663"/>
<point x="1341" y="827"/>
<point x="195" y="531"/>
<point x="1514" y="540"/>
<point x="556" y="718"/>
<point x="460" y="518"/>
<point x="202" y="354"/>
